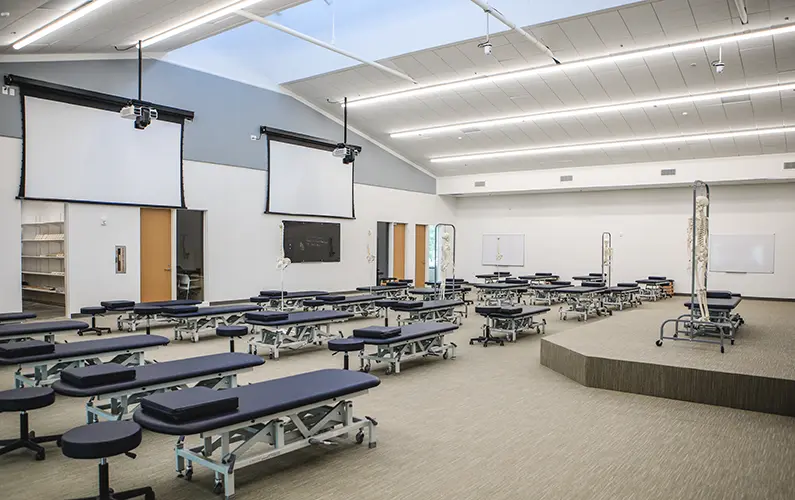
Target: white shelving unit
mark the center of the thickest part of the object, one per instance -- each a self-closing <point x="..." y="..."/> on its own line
<point x="43" y="261"/>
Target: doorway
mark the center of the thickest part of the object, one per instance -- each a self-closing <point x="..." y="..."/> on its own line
<point x="382" y="252"/>
<point x="420" y="254"/>
<point x="156" y="273"/>
<point x="399" y="252"/>
<point x="190" y="254"/>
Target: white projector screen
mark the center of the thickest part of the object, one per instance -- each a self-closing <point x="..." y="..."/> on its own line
<point x="303" y="180"/>
<point x="84" y="154"/>
<point x="742" y="253"/>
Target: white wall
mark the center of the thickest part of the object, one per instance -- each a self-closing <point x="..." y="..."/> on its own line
<point x="90" y="257"/>
<point x="740" y="169"/>
<point x="242" y="244"/>
<point x="649" y="227"/>
<point x="10" y="226"/>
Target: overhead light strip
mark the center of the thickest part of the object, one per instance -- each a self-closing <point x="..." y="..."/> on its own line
<point x="545" y="70"/>
<point x="610" y="145"/>
<point x="59" y="23"/>
<point x="199" y="20"/>
<point x="591" y="110"/>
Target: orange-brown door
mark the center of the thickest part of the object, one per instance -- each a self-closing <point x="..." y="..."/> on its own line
<point x="420" y="254"/>
<point x="399" y="252"/>
<point x="156" y="277"/>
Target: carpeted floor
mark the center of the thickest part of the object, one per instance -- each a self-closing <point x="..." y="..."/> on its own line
<point x="492" y="424"/>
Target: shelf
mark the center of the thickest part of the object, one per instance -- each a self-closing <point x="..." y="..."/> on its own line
<point x="47" y="223"/>
<point x="42" y="257"/>
<point x="42" y="290"/>
<point x="37" y="273"/>
<point x="51" y="240"/>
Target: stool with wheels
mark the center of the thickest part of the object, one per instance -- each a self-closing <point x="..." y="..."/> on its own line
<point x="24" y="400"/>
<point x="98" y="442"/>
<point x="232" y="332"/>
<point x="94" y="311"/>
<point x="345" y="346"/>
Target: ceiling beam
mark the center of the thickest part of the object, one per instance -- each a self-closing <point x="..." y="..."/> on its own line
<point x="320" y="43"/>
<point x="496" y="14"/>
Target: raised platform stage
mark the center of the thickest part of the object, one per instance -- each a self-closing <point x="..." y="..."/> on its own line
<point x="618" y="353"/>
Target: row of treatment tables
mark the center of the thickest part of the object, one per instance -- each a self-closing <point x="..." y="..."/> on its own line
<point x="200" y="397"/>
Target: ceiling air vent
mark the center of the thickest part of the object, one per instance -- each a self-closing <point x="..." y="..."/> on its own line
<point x="566" y="178"/>
<point x="480" y="184"/>
<point x="668" y="171"/>
<point x="789" y="165"/>
<point x="470" y="130"/>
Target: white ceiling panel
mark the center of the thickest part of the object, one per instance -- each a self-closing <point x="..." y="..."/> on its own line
<point x="641" y="25"/>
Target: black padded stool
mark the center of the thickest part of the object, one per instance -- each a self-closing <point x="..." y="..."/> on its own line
<point x="24" y="400"/>
<point x="147" y="312"/>
<point x="98" y="442"/>
<point x="345" y="346"/>
<point x="232" y="331"/>
<point x="93" y="311"/>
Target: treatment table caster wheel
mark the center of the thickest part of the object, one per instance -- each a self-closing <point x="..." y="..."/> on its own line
<point x="359" y="437"/>
<point x="218" y="487"/>
<point x="658" y="343"/>
<point x="366" y="368"/>
<point x="389" y="370"/>
<point x="189" y="475"/>
<point x="446" y="355"/>
<point x="40" y="456"/>
<point x="471" y="342"/>
<point x="722" y="350"/>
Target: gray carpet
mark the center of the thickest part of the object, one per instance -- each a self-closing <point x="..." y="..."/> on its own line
<point x="492" y="424"/>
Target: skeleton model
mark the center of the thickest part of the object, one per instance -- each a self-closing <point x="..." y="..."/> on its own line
<point x="700" y="251"/>
<point x="448" y="268"/>
<point x="607" y="257"/>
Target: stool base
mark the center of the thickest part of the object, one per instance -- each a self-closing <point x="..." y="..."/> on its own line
<point x="27" y="440"/>
<point x="106" y="493"/>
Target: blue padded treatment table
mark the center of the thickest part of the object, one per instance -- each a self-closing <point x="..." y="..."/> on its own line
<point x="264" y="409"/>
<point x="359" y="305"/>
<point x="48" y="365"/>
<point x="277" y="294"/>
<point x="297" y="330"/>
<point x="501" y="286"/>
<point x="416" y="340"/>
<point x="214" y="370"/>
<point x="511" y="321"/>
<point x="621" y="295"/>
<point x="540" y="277"/>
<point x="428" y="305"/>
<point x="584" y="300"/>
<point x="15" y="316"/>
<point x="496" y="274"/>
<point x="717" y="304"/>
<point x="192" y="319"/>
<point x="392" y="290"/>
<point x="44" y="329"/>
<point x="133" y="318"/>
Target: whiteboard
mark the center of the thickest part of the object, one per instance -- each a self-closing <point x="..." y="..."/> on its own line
<point x="503" y="250"/>
<point x="742" y="253"/>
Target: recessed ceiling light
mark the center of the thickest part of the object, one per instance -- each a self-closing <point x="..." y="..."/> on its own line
<point x="595" y="146"/>
<point x="459" y="137"/>
<point x="684" y="113"/>
<point x="570" y="66"/>
<point x="5" y="14"/>
<point x="693" y="65"/>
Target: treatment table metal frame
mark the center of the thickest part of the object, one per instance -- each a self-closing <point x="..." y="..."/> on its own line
<point x="394" y="353"/>
<point x="192" y="325"/>
<point x="511" y="327"/>
<point x="441" y="314"/>
<point x="501" y="296"/>
<point x="296" y="336"/>
<point x="584" y="304"/>
<point x="46" y="372"/>
<point x="283" y="432"/>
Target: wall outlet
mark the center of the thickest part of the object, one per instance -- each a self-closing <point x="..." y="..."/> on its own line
<point x="6" y="90"/>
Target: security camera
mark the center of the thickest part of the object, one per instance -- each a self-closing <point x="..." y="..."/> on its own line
<point x="487" y="47"/>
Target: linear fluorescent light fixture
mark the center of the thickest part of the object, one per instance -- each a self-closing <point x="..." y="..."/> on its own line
<point x="545" y="70"/>
<point x="592" y="110"/>
<point x="199" y="20"/>
<point x="59" y="23"/>
<point x="571" y="148"/>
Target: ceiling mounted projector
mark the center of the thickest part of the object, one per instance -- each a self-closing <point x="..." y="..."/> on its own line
<point x="143" y="116"/>
<point x="340" y="151"/>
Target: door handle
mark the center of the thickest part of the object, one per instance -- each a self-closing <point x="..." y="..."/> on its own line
<point x="167" y="269"/>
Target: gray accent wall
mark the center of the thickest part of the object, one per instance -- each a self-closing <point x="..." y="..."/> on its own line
<point x="227" y="114"/>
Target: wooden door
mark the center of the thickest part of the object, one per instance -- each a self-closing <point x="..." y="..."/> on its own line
<point x="399" y="252"/>
<point x="420" y="254"/>
<point x="156" y="273"/>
